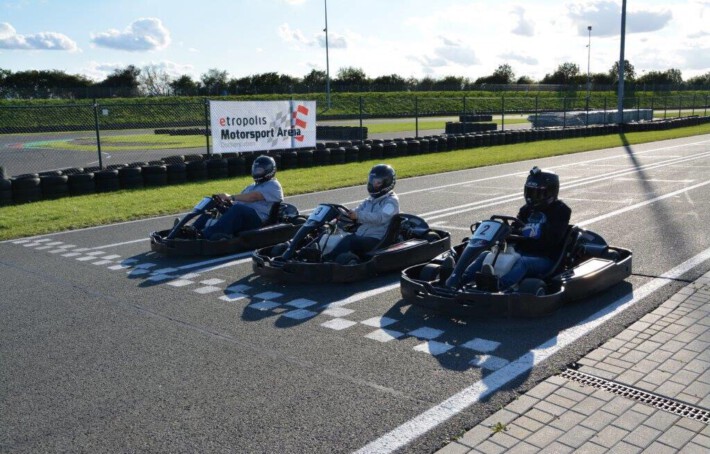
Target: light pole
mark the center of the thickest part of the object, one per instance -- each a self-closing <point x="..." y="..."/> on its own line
<point x="620" y="91"/>
<point x="589" y="55"/>
<point x="327" y="60"/>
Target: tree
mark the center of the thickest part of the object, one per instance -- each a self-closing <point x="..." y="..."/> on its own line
<point x="184" y="86"/>
<point x="662" y="79"/>
<point x="315" y="80"/>
<point x="450" y="83"/>
<point x="154" y="81"/>
<point x="351" y="79"/>
<point x="566" y="73"/>
<point x="524" y="80"/>
<point x="698" y="81"/>
<point x="122" y="82"/>
<point x="503" y="75"/>
<point x="214" y="82"/>
<point x="629" y="72"/>
<point x="393" y="82"/>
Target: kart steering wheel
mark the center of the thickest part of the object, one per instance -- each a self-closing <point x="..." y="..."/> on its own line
<point x="513" y="222"/>
<point x="342" y="213"/>
<point x="222" y="204"/>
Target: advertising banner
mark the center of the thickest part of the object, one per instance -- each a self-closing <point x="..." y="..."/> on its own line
<point x="239" y="126"/>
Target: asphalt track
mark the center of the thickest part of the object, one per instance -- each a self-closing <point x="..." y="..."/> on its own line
<point x="107" y="347"/>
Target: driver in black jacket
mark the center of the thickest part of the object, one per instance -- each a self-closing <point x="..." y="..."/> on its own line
<point x="545" y="220"/>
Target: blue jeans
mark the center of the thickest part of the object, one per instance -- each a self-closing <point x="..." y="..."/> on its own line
<point x="238" y="218"/>
<point x="526" y="266"/>
<point x="359" y="245"/>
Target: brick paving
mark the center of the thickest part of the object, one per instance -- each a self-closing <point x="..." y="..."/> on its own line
<point x="664" y="355"/>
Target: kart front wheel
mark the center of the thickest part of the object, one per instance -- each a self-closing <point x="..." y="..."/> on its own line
<point x="532" y="287"/>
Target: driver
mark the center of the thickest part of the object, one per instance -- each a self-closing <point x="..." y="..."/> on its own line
<point x="251" y="208"/>
<point x="373" y="214"/>
<point x="545" y="220"/>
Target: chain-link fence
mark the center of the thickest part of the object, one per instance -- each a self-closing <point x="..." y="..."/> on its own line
<point x="95" y="136"/>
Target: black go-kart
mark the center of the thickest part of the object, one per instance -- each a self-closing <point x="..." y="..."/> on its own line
<point x="408" y="240"/>
<point x="585" y="265"/>
<point x="184" y="240"/>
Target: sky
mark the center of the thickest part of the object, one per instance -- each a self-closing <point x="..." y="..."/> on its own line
<point x="410" y="38"/>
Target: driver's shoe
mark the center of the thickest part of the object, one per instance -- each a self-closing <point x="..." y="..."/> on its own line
<point x="189" y="231"/>
<point x="486" y="279"/>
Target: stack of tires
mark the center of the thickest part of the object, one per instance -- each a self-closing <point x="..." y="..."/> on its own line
<point x="5" y="188"/>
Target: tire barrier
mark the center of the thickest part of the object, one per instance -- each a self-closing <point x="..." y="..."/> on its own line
<point x="456" y="127"/>
<point x="106" y="180"/>
<point x="54" y="186"/>
<point x="2" y="173"/>
<point x="475" y="118"/>
<point x="195" y="170"/>
<point x="217" y="168"/>
<point x="178" y="169"/>
<point x="5" y="192"/>
<point x="155" y="175"/>
<point x="341" y="133"/>
<point x="81" y="183"/>
<point x="130" y="178"/>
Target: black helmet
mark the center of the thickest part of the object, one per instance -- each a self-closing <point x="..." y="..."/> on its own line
<point x="263" y="169"/>
<point x="381" y="180"/>
<point x="541" y="188"/>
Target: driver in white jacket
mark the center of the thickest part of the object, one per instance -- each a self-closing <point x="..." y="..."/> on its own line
<point x="373" y="215"/>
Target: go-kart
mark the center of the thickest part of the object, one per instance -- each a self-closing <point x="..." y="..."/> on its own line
<point x="408" y="240"/>
<point x="184" y="240"/>
<point x="585" y="265"/>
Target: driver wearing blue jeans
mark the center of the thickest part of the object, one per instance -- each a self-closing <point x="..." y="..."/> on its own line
<point x="373" y="215"/>
<point x="546" y="220"/>
<point x="251" y="208"/>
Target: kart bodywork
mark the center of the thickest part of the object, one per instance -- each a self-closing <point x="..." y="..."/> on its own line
<point x="586" y="265"/>
<point x="181" y="240"/>
<point x="408" y="240"/>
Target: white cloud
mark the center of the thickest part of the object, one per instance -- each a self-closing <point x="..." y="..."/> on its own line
<point x="141" y="35"/>
<point x="524" y="26"/>
<point x="289" y="35"/>
<point x="605" y="18"/>
<point x="525" y="59"/>
<point x="335" y="41"/>
<point x="9" y="39"/>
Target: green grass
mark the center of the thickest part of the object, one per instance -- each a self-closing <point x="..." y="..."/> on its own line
<point x="97" y="209"/>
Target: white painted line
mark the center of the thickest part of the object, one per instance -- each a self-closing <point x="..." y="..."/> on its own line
<point x="86" y="258"/>
<point x="384" y="335"/>
<point x="102" y="262"/>
<point x="238" y="288"/>
<point x="338" y="312"/>
<point x="363" y="295"/>
<point x="489" y="362"/>
<point x="231" y="297"/>
<point x="301" y="303"/>
<point x="425" y="333"/>
<point x="419" y="425"/>
<point x="644" y="203"/>
<point x="71" y="254"/>
<point x="481" y="345"/>
<point x="206" y="290"/>
<point x="120" y="244"/>
<point x="300" y="314"/>
<point x="212" y="281"/>
<point x="264" y="305"/>
<point x="180" y="282"/>
<point x="338" y="324"/>
<point x="269" y="295"/>
<point x="119" y="267"/>
<point x="378" y="322"/>
<point x="96" y="253"/>
<point x="433" y="347"/>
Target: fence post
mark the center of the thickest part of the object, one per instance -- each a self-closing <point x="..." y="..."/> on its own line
<point x="652" y="99"/>
<point x="564" y="112"/>
<point x="362" y="139"/>
<point x="207" y="125"/>
<point x="680" y="103"/>
<point x="705" y="114"/>
<point x="416" y="116"/>
<point x="692" y="112"/>
<point x="537" y="98"/>
<point x="464" y="105"/>
<point x="638" y="108"/>
<point x="665" y="107"/>
<point x="604" y="110"/>
<point x="502" y="113"/>
<point x="586" y="120"/>
<point x="98" y="138"/>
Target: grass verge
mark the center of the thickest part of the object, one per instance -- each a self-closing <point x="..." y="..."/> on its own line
<point x="97" y="209"/>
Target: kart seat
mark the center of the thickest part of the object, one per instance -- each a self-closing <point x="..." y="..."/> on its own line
<point x="274" y="213"/>
<point x="567" y="243"/>
<point x="392" y="233"/>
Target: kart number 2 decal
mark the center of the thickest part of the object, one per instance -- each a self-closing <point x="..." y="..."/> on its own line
<point x="486" y="231"/>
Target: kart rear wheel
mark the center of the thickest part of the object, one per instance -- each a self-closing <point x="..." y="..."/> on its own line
<point x="532" y="287"/>
<point x="279" y="249"/>
<point x="347" y="258"/>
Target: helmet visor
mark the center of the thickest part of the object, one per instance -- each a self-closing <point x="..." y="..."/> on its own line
<point x="536" y="195"/>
